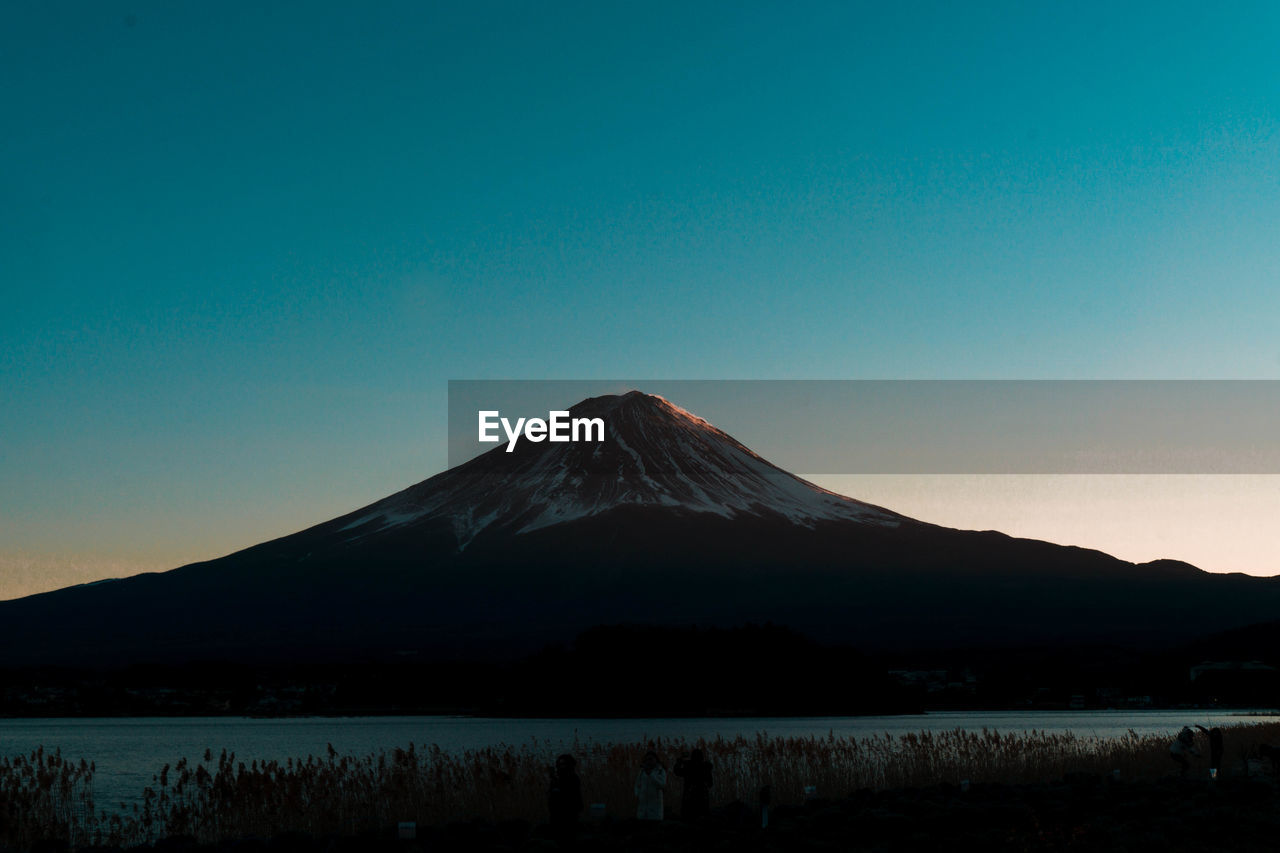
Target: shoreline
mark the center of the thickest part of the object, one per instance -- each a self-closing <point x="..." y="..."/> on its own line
<point x="1244" y="713"/>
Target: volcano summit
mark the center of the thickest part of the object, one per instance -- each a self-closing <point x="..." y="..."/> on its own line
<point x="657" y="457"/>
<point x="670" y="521"/>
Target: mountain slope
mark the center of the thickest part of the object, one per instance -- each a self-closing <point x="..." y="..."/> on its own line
<point x="657" y="455"/>
<point x="669" y="521"/>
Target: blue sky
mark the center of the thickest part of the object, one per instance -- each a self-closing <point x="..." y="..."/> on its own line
<point x="243" y="249"/>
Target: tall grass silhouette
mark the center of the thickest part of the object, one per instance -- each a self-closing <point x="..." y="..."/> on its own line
<point x="45" y="796"/>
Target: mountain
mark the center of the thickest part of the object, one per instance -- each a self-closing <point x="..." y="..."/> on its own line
<point x="669" y="521"/>
<point x="657" y="456"/>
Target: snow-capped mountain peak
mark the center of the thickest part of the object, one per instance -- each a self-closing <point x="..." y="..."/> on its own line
<point x="655" y="455"/>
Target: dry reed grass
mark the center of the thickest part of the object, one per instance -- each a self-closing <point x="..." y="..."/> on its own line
<point x="45" y="796"/>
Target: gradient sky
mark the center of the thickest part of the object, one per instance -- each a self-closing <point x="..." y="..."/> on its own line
<point x="244" y="246"/>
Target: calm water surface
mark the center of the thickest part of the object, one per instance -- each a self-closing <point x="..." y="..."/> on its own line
<point x="130" y="751"/>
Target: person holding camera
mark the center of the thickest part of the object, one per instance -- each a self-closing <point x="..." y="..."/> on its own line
<point x="1183" y="746"/>
<point x="651" y="786"/>
<point x="695" y="798"/>
<point x="564" y="798"/>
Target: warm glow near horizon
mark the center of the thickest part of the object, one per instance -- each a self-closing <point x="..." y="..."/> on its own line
<point x="247" y="250"/>
<point x="1219" y="523"/>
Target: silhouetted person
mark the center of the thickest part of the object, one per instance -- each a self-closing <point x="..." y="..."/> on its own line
<point x="650" y="787"/>
<point x="1271" y="754"/>
<point x="564" y="799"/>
<point x="1183" y="745"/>
<point x="695" y="799"/>
<point x="1215" y="746"/>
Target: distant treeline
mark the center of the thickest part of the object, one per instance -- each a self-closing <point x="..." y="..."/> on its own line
<point x="608" y="671"/>
<point x="765" y="670"/>
<point x="649" y="671"/>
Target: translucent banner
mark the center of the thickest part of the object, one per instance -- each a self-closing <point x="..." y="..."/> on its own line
<point x="924" y="426"/>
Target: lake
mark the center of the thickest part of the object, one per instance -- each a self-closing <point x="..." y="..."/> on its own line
<point x="130" y="751"/>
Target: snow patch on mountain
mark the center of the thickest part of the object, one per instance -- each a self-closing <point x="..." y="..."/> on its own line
<point x="655" y="454"/>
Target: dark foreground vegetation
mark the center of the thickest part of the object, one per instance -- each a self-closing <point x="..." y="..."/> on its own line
<point x="1028" y="791"/>
<point x="1081" y="813"/>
